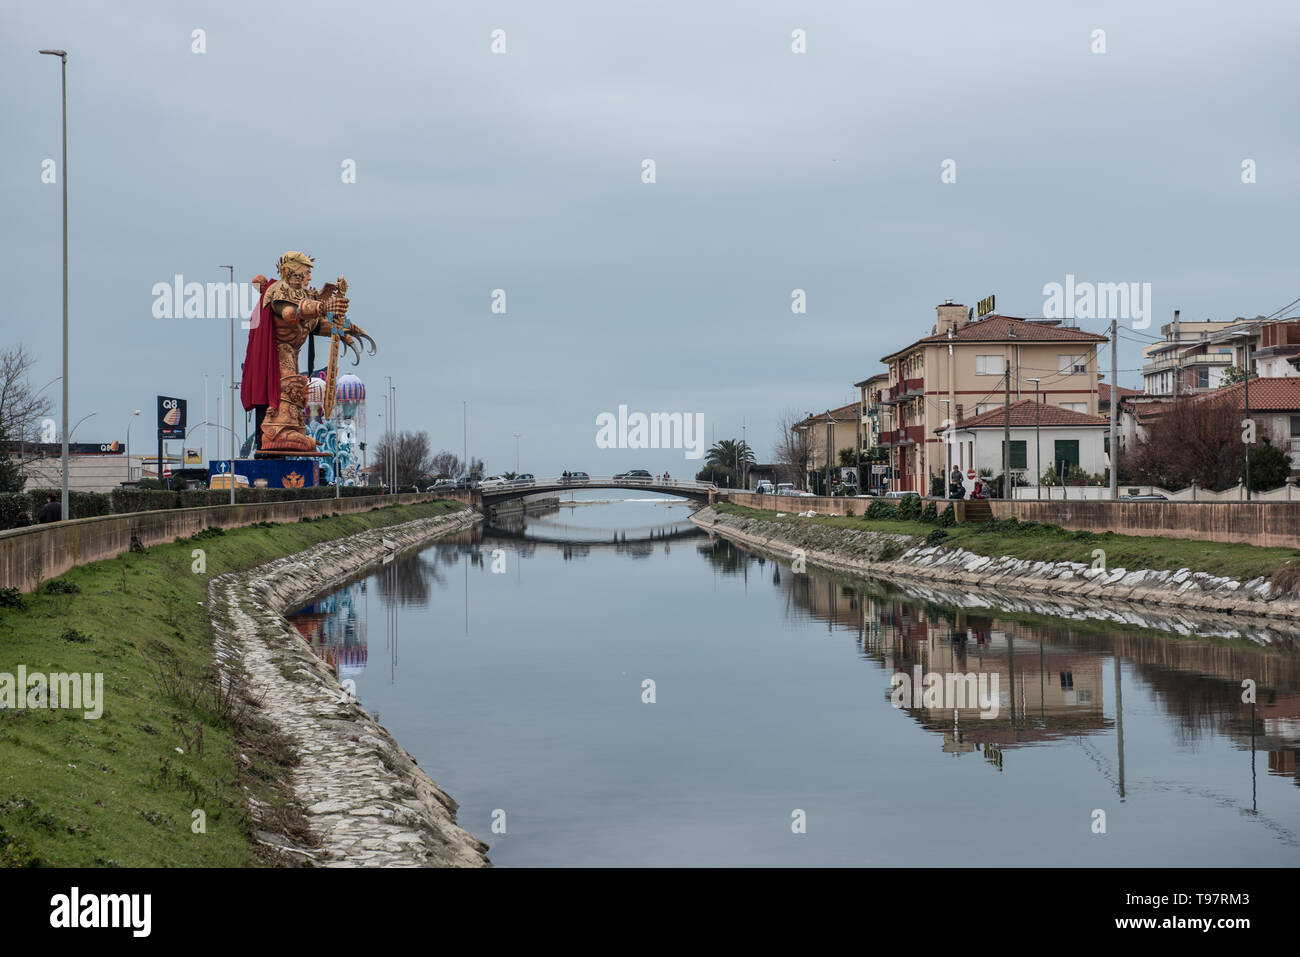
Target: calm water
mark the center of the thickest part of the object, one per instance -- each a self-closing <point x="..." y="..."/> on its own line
<point x="520" y="690"/>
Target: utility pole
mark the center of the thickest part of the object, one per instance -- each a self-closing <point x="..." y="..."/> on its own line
<point x="1006" y="435"/>
<point x="66" y="514"/>
<point x="1177" y="374"/>
<point x="1248" y="444"/>
<point x="1114" y="413"/>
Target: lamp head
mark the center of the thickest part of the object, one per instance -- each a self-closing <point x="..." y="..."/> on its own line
<point x="58" y="53"/>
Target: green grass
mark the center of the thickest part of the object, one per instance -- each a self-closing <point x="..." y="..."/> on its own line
<point x="115" y="791"/>
<point x="1052" y="543"/>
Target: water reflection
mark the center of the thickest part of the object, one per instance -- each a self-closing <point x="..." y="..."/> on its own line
<point x="523" y="648"/>
<point x="1050" y="671"/>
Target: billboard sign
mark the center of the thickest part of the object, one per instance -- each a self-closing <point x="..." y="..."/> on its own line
<point x="171" y="417"/>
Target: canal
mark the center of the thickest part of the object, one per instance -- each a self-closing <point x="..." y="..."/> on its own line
<point x="607" y="685"/>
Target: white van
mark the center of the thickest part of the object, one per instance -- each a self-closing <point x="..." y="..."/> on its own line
<point x="765" y="488"/>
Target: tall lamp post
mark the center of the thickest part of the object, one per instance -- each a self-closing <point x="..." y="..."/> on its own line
<point x="233" y="310"/>
<point x="516" y="453"/>
<point x="949" y="435"/>
<point x="63" y="172"/>
<point x="1038" y="442"/>
<point x="128" y="443"/>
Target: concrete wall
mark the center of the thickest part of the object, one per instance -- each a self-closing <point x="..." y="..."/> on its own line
<point x="29" y="556"/>
<point x="1256" y="523"/>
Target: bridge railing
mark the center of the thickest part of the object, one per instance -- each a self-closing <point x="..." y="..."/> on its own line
<point x="558" y="481"/>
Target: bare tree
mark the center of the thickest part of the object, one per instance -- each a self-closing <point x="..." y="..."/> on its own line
<point x="412" y="456"/>
<point x="1196" y="440"/>
<point x="792" y="450"/>
<point x="21" y="410"/>
<point x="446" y="465"/>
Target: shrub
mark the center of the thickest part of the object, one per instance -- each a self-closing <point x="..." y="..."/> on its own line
<point x="947" y="518"/>
<point x="930" y="513"/>
<point x="881" y="509"/>
<point x="909" y="507"/>
<point x="936" y="537"/>
<point x="60" y="586"/>
<point x="12" y="598"/>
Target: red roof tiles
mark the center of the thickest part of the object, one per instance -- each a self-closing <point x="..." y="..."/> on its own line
<point x="1023" y="415"/>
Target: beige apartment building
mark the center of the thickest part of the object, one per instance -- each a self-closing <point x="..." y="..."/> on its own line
<point x="959" y="371"/>
<point x="843" y="426"/>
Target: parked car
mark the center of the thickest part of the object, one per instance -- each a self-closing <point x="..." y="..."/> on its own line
<point x="765" y="488"/>
<point x="576" y="477"/>
<point x="785" y="488"/>
<point x="443" y="485"/>
<point x="634" y="475"/>
<point x="466" y="484"/>
<point x="492" y="481"/>
<point x="526" y="478"/>
<point x="900" y="493"/>
<point x="1154" y="497"/>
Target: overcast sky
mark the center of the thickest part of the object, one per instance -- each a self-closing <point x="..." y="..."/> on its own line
<point x="522" y="171"/>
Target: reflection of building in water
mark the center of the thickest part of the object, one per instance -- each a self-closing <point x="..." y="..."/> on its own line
<point x="1049" y="670"/>
<point x="334" y="630"/>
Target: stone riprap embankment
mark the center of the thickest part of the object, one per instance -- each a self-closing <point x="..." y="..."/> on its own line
<point x="908" y="558"/>
<point x="364" y="797"/>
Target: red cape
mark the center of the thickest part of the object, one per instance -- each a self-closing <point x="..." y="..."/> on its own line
<point x="261" y="381"/>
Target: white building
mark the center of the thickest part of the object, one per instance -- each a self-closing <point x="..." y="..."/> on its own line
<point x="1043" y="437"/>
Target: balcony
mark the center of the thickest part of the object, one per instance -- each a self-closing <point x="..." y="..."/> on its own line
<point x="913" y="387"/>
<point x="909" y="435"/>
<point x="885" y="397"/>
<point x="1188" y="362"/>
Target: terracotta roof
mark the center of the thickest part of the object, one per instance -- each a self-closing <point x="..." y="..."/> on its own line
<point x="845" y="412"/>
<point x="1022" y="416"/>
<point x="1266" y="395"/>
<point x="1104" y="392"/>
<point x="1008" y="329"/>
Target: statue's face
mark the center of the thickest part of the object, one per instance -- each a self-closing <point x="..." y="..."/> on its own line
<point x="299" y="277"/>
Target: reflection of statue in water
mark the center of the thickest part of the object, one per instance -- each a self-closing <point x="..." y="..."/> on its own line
<point x="289" y="313"/>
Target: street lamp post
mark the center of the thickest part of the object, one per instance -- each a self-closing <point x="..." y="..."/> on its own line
<point x="128" y="442"/>
<point x="516" y="453"/>
<point x="949" y="435"/>
<point x="1038" y="442"/>
<point x="63" y="173"/>
<point x="233" y="310"/>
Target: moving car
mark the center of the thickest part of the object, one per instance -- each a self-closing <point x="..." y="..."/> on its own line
<point x="443" y="485"/>
<point x="577" y="477"/>
<point x="492" y="481"/>
<point x="635" y="475"/>
<point x="526" y="478"/>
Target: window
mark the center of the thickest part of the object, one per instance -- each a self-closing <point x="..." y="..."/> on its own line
<point x="1019" y="454"/>
<point x="1073" y="364"/>
<point x="1295" y="426"/>
<point x="1075" y="406"/>
<point x="1067" y="455"/>
<point x="989" y="365"/>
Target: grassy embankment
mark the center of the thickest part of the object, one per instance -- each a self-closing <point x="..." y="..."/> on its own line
<point x="121" y="790"/>
<point x="1052" y="543"/>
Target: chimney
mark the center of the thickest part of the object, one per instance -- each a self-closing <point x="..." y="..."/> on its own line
<point x="951" y="317"/>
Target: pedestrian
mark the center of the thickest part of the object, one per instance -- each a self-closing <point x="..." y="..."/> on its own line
<point x="979" y="490"/>
<point x="51" y="511"/>
<point x="955" y="487"/>
<point x="24" y="520"/>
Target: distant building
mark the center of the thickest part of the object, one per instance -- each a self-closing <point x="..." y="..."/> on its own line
<point x="959" y="372"/>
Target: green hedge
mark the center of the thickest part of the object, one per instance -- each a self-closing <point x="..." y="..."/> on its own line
<point x="124" y="500"/>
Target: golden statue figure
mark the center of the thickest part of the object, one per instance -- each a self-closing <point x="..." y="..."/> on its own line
<point x="290" y="311"/>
